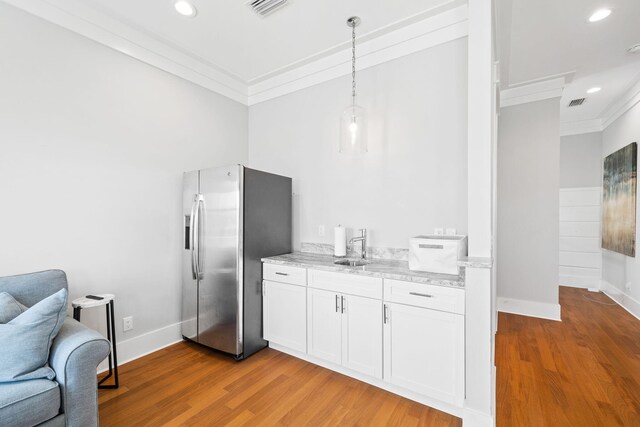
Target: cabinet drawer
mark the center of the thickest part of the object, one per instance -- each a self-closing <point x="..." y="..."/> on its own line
<point x="284" y="274"/>
<point x="422" y="295"/>
<point x="352" y="284"/>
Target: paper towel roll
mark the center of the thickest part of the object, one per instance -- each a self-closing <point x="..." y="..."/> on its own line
<point x="340" y="241"/>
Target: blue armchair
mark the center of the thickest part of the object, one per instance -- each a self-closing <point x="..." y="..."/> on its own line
<point x="71" y="399"/>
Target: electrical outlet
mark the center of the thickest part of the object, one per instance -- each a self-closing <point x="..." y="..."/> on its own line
<point x="321" y="230"/>
<point x="438" y="231"/>
<point x="451" y="231"/>
<point x="127" y="323"/>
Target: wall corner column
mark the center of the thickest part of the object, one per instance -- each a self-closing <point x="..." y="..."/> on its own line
<point x="479" y="406"/>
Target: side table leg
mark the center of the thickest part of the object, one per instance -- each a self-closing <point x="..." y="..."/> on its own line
<point x="76" y="313"/>
<point x="111" y="336"/>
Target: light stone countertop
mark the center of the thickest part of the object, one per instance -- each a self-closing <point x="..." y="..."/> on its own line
<point x="384" y="268"/>
<point x="474" y="262"/>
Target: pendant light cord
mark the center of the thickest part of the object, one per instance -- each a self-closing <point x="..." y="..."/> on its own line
<point x="353" y="64"/>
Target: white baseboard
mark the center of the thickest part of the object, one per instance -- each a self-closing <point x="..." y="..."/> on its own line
<point x="575" y="285"/>
<point x="473" y="418"/>
<point x="136" y="347"/>
<point x="624" y="300"/>
<point x="579" y="282"/>
<point x="542" y="310"/>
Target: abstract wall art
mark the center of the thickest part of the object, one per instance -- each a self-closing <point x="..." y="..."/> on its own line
<point x="619" y="201"/>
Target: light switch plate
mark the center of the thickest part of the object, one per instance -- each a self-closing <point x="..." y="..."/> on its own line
<point x="438" y="231"/>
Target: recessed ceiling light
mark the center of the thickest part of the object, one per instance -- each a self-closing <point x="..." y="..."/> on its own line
<point x="594" y="90"/>
<point x="185" y="8"/>
<point x="599" y="15"/>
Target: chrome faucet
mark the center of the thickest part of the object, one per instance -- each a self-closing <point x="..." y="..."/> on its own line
<point x="363" y="240"/>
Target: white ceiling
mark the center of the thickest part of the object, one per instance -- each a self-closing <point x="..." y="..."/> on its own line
<point x="545" y="39"/>
<point x="227" y="35"/>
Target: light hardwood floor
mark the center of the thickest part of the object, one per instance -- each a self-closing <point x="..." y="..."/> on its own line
<point x="583" y="371"/>
<point x="186" y="384"/>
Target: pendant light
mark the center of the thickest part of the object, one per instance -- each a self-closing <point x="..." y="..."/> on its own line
<point x="353" y="123"/>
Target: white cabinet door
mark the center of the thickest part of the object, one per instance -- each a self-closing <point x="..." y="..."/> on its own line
<point x="285" y="315"/>
<point x="362" y="335"/>
<point x="324" y="325"/>
<point x="424" y="351"/>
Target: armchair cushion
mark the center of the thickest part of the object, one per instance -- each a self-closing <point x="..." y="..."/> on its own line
<point x="26" y="340"/>
<point x="28" y="403"/>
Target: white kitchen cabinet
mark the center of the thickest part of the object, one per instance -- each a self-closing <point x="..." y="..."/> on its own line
<point x="345" y="330"/>
<point x="406" y="337"/>
<point x="362" y="335"/>
<point x="424" y="351"/>
<point x="324" y="325"/>
<point x="285" y="314"/>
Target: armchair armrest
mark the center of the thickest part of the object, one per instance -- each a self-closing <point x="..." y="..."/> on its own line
<point x="75" y="355"/>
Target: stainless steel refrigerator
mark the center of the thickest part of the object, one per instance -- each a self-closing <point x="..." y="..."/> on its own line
<point x="232" y="217"/>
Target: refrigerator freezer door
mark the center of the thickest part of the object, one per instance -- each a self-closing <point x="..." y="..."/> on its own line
<point x="189" y="282"/>
<point x="220" y="290"/>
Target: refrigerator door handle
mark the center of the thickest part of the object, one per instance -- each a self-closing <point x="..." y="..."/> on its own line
<point x="196" y="237"/>
<point x="191" y="242"/>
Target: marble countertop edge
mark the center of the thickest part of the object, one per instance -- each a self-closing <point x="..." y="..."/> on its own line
<point x="475" y="262"/>
<point x="387" y="269"/>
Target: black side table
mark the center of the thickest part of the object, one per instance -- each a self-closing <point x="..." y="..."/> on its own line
<point x="107" y="300"/>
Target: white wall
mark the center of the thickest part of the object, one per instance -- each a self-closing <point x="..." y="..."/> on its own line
<point x="92" y="148"/>
<point x="622" y="273"/>
<point x="528" y="208"/>
<point x="414" y="176"/>
<point x="581" y="160"/>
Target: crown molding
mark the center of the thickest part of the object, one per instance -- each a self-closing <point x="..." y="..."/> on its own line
<point x="622" y="105"/>
<point x="532" y="92"/>
<point x="580" y="127"/>
<point x="110" y="32"/>
<point x="400" y="41"/>
<point x="442" y="28"/>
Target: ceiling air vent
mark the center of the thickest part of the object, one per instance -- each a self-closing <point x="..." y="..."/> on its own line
<point x="576" y="102"/>
<point x="265" y="7"/>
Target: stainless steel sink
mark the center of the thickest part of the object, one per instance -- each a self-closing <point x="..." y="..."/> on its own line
<point x="352" y="262"/>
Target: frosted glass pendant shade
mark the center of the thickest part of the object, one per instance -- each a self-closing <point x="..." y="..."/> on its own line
<point x="353" y="130"/>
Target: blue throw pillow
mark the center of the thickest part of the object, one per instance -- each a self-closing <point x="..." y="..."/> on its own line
<point x="25" y="340"/>
<point x="9" y="307"/>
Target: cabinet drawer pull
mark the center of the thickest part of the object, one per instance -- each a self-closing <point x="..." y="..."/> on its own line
<point x="418" y="294"/>
<point x="281" y="274"/>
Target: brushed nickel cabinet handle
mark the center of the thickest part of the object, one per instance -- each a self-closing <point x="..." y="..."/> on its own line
<point x="337" y="304"/>
<point x="418" y="294"/>
<point x="385" y="315"/>
<point x="281" y="274"/>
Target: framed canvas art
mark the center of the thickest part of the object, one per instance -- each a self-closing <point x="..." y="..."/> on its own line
<point x="619" y="200"/>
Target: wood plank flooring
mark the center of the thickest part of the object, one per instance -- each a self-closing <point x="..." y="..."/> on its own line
<point x="583" y="371"/>
<point x="187" y="384"/>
